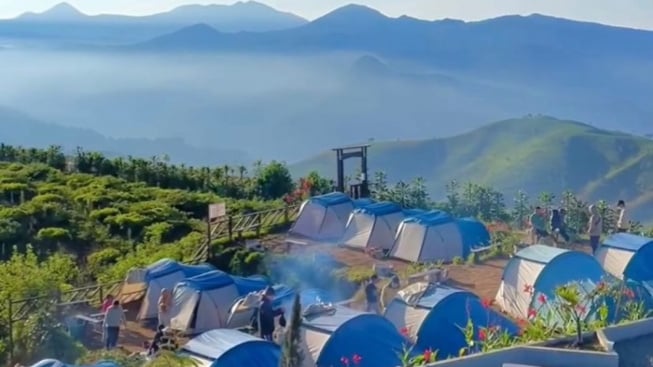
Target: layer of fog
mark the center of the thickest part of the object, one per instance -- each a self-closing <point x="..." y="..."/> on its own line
<point x="277" y="107"/>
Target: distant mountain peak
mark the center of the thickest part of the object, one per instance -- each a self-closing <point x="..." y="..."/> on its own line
<point x="251" y="4"/>
<point x="198" y="29"/>
<point x="352" y="14"/>
<point x="195" y="36"/>
<point x="61" y="11"/>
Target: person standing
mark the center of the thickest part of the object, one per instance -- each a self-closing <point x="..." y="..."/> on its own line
<point x="372" y="296"/>
<point x="113" y="319"/>
<point x="538" y="224"/>
<point x="623" y="223"/>
<point x="595" y="227"/>
<point x="267" y="314"/>
<point x="165" y="303"/>
<point x="558" y="224"/>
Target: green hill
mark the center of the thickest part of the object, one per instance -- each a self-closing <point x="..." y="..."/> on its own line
<point x="534" y="154"/>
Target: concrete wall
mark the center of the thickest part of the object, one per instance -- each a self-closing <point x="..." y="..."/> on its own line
<point x="614" y="334"/>
<point x="535" y="356"/>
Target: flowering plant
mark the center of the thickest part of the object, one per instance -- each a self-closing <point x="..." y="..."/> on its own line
<point x="407" y="358"/>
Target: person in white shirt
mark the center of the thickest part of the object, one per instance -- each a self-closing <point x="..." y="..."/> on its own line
<point x="113" y="319"/>
<point x="623" y="224"/>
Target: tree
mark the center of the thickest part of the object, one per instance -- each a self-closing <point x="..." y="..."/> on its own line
<point x="521" y="209"/>
<point x="292" y="355"/>
<point x="546" y="199"/>
<point x="318" y="184"/>
<point x="274" y="181"/>
<point x="52" y="237"/>
<point x="418" y="194"/>
<point x="453" y="197"/>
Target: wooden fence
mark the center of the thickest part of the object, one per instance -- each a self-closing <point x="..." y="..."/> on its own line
<point x="230" y="227"/>
<point x="235" y="226"/>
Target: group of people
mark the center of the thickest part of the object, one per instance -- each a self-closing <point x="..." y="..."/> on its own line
<point x="557" y="223"/>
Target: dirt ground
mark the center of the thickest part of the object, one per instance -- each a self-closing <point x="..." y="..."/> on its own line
<point x="481" y="279"/>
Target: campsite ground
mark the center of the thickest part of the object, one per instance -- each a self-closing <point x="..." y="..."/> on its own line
<point x="482" y="279"/>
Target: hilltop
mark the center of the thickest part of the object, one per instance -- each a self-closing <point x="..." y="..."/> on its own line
<point x="534" y="154"/>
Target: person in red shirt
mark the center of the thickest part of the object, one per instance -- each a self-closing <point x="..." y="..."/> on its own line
<point x="108" y="302"/>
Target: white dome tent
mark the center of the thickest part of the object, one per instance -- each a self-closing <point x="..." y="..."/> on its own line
<point x="165" y="273"/>
<point x="203" y="302"/>
<point x="428" y="237"/>
<point x="323" y="218"/>
<point x="373" y="226"/>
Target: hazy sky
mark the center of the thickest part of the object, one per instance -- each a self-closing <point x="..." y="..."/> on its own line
<point x="631" y="13"/>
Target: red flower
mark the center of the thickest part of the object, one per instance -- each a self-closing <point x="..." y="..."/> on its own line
<point x="405" y="332"/>
<point x="344" y="361"/>
<point x="601" y="286"/>
<point x="581" y="309"/>
<point x="356" y="359"/>
<point x="629" y="293"/>
<point x="427" y="355"/>
<point x="541" y="298"/>
<point x="487" y="303"/>
<point x="528" y="288"/>
<point x="482" y="335"/>
<point x="532" y="313"/>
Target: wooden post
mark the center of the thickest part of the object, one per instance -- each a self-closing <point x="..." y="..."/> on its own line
<point x="208" y="231"/>
<point x="286" y="215"/>
<point x="101" y="293"/>
<point x="230" y="225"/>
<point x="258" y="225"/>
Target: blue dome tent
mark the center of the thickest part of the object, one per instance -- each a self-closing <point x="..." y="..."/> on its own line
<point x="232" y="348"/>
<point x="539" y="270"/>
<point x="475" y="234"/>
<point x="327" y="338"/>
<point x="204" y="302"/>
<point x="373" y="226"/>
<point x="434" y="315"/>
<point x="428" y="237"/>
<point x="163" y="274"/>
<point x="362" y="202"/>
<point x="627" y="256"/>
<point x="413" y="212"/>
<point x="323" y="218"/>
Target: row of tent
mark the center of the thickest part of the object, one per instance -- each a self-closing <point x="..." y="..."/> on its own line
<point x="204" y="298"/>
<point x="622" y="256"/>
<point x="412" y="235"/>
<point x="202" y="303"/>
<point x="432" y="314"/>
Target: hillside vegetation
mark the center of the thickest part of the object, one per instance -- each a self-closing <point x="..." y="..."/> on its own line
<point x="111" y="214"/>
<point x="533" y="154"/>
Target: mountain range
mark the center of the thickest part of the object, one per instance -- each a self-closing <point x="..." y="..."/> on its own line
<point x="534" y="153"/>
<point x="64" y="22"/>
